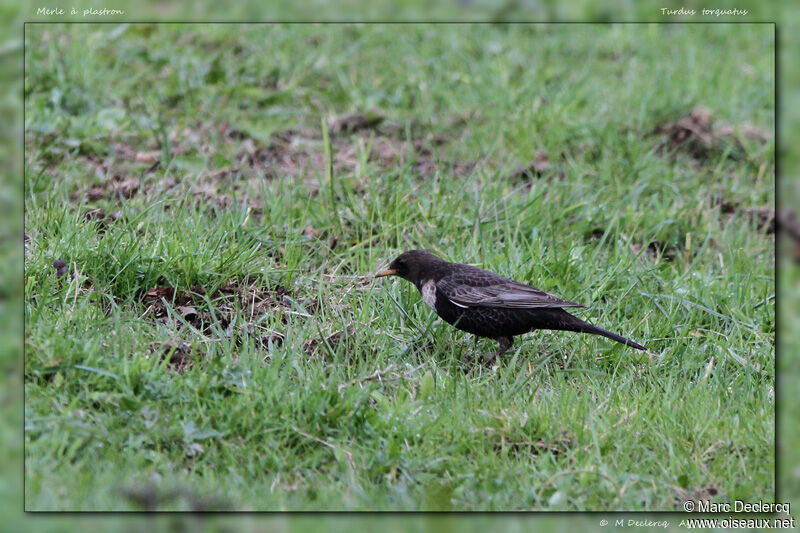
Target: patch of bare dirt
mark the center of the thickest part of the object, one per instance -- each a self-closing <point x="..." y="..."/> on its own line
<point x="764" y="217"/>
<point x="692" y="132"/>
<point x="129" y="153"/>
<point x="290" y="153"/>
<point x="594" y="234"/>
<point x="683" y="495"/>
<point x="206" y="193"/>
<point x="149" y="497"/>
<point x="527" y="448"/>
<point x="192" y="306"/>
<point x="99" y="216"/>
<point x="274" y="338"/>
<point x="535" y="169"/>
<point x="790" y="226"/>
<point x="655" y="249"/>
<point x="215" y="190"/>
<point x="388" y="152"/>
<point x="354" y="122"/>
<point x="699" y="134"/>
<point x="356" y="138"/>
<point x="181" y="355"/>
<point x="123" y="174"/>
<point x="300" y="155"/>
<point x="118" y="187"/>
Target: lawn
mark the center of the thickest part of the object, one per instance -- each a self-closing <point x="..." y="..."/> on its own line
<point x="222" y="195"/>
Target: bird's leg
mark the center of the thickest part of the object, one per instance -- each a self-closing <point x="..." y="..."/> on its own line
<point x="505" y="344"/>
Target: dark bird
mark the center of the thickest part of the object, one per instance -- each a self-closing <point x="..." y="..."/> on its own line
<point x="482" y="303"/>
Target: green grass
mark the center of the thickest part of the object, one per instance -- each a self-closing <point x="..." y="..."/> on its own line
<point x="317" y="387"/>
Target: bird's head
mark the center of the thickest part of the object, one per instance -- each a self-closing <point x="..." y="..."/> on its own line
<point x="410" y="265"/>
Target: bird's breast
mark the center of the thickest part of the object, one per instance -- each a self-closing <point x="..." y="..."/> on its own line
<point x="428" y="291"/>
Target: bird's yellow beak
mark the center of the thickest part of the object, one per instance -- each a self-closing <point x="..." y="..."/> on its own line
<point x="389" y="272"/>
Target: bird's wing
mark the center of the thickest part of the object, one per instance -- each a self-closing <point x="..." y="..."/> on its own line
<point x="498" y="292"/>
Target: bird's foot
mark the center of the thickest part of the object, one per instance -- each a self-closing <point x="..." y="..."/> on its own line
<point x="505" y="344"/>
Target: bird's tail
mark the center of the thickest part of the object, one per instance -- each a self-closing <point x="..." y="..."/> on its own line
<point x="585" y="327"/>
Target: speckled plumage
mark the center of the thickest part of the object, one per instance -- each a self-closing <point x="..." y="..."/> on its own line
<point x="488" y="305"/>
